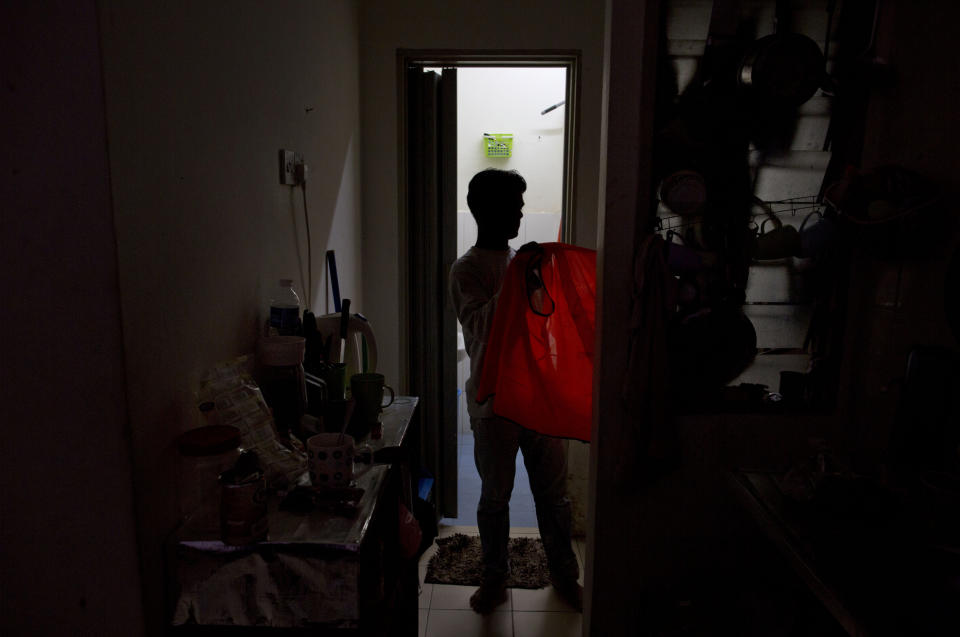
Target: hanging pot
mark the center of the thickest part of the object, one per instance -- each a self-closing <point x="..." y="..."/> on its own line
<point x="684" y="192"/>
<point x="785" y="69"/>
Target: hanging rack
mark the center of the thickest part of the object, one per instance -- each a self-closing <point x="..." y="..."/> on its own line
<point x="778" y="208"/>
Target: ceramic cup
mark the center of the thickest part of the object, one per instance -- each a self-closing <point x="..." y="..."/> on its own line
<point x="330" y="459"/>
<point x="779" y="242"/>
<point x="793" y="387"/>
<point x="367" y="391"/>
<point x="243" y="512"/>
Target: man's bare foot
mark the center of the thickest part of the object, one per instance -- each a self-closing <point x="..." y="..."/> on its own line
<point x="571" y="592"/>
<point x="490" y="595"/>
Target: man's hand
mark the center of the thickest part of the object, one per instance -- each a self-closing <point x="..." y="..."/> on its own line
<point x="530" y="246"/>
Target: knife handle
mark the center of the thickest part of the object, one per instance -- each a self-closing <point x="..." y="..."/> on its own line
<point x="344" y="324"/>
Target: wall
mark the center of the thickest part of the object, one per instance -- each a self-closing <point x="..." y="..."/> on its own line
<point x="509" y="100"/>
<point x="424" y="24"/>
<point x="898" y="303"/>
<point x="200" y="96"/>
<point x="67" y="534"/>
<point x="616" y="513"/>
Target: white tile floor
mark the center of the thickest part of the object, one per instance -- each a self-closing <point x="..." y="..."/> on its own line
<point x="445" y="610"/>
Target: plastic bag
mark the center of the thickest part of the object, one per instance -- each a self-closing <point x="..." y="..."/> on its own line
<point x="239" y="402"/>
<point x="538" y="364"/>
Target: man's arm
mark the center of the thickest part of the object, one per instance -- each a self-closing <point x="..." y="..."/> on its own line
<point x="475" y="307"/>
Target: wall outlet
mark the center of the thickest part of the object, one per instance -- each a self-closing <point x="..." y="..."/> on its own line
<point x="288" y="166"/>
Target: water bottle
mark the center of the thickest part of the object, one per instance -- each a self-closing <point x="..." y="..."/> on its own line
<point x="284" y="310"/>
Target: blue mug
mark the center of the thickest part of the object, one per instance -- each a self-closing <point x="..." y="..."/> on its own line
<point x="822" y="234"/>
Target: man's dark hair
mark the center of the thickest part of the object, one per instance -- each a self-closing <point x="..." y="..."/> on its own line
<point x="488" y="188"/>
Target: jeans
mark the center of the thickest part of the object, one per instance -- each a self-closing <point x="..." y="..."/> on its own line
<point x="496" y="442"/>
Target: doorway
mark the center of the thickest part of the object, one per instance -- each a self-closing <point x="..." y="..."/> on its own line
<point x="459" y="110"/>
<point x="528" y="105"/>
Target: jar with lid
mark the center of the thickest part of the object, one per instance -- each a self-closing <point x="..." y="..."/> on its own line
<point x="282" y="380"/>
<point x="205" y="453"/>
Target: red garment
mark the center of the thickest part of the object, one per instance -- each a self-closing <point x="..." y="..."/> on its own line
<point x="539" y="354"/>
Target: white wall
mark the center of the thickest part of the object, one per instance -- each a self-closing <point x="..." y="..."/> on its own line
<point x="462" y="25"/>
<point x="509" y="100"/>
<point x="200" y="97"/>
<point x="68" y="551"/>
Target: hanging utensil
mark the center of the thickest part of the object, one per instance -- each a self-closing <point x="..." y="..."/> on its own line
<point x="784" y="68"/>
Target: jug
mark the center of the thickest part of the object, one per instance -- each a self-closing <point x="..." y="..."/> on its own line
<point x="359" y="333"/>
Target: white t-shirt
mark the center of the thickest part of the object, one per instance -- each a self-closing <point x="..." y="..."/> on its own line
<point x="475" y="280"/>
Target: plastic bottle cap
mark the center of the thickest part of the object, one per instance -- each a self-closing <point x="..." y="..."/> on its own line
<point x="208" y="441"/>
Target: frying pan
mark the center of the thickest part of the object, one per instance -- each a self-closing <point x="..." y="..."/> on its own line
<point x="784" y="68"/>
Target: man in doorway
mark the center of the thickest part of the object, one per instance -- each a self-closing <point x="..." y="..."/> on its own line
<point x="495" y="198"/>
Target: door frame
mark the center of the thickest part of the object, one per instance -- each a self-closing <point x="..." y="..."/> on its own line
<point x="407" y="58"/>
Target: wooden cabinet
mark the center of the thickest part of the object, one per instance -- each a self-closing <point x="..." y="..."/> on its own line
<point x="328" y="570"/>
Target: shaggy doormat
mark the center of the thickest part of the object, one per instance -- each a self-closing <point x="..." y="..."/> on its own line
<point x="458" y="561"/>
